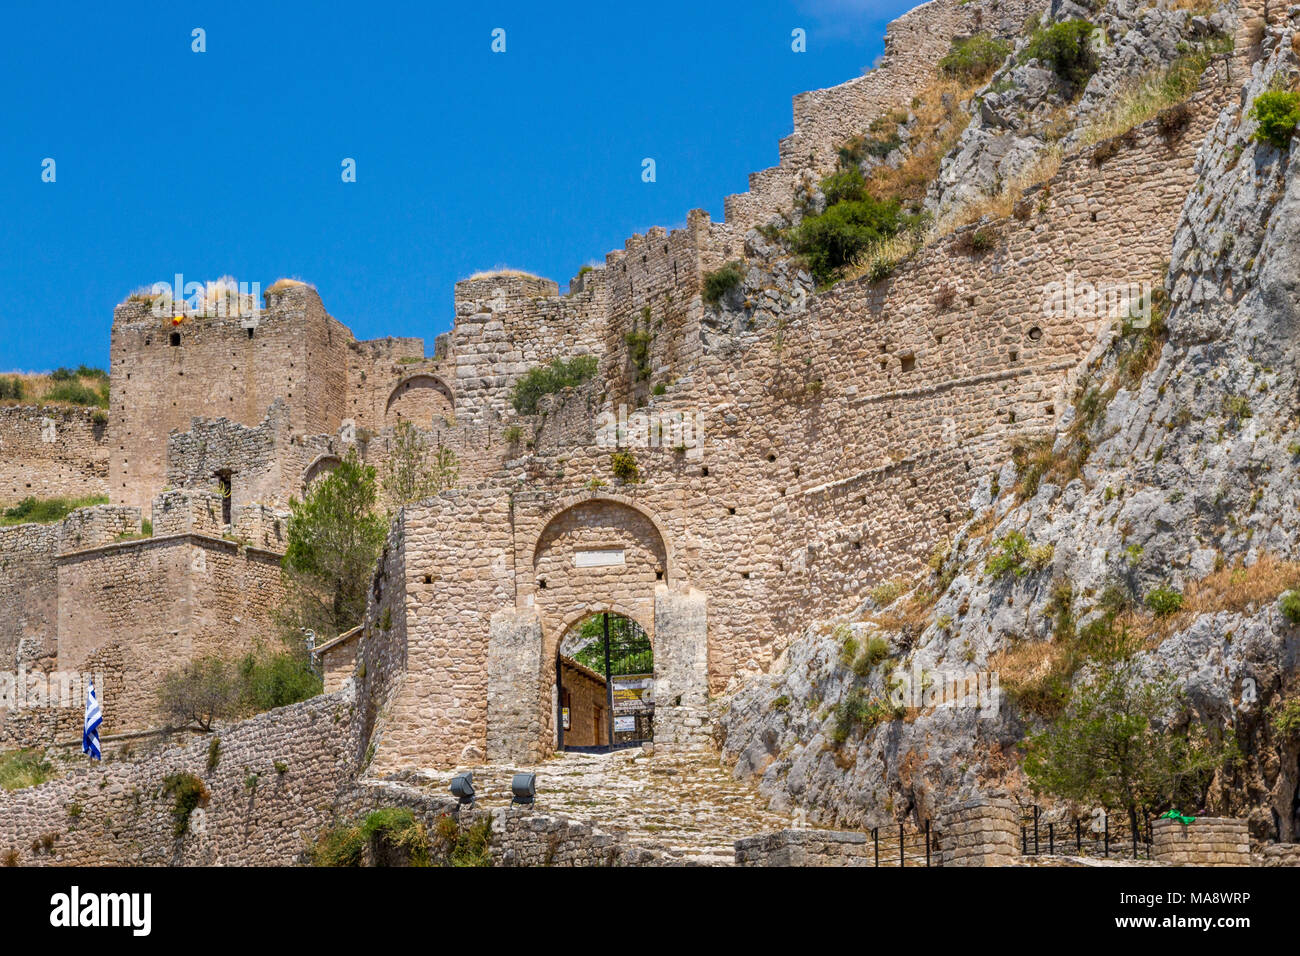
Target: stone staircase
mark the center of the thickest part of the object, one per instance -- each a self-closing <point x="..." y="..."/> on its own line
<point x="685" y="805"/>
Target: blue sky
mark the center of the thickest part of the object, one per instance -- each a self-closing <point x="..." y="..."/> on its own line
<point x="229" y="161"/>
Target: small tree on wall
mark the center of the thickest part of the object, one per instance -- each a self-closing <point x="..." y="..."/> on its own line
<point x="411" y="473"/>
<point x="201" y="692"/>
<point x="334" y="539"/>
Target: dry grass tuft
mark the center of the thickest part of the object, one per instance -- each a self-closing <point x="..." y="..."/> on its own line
<point x="504" y="271"/>
<point x="1003" y="204"/>
<point x="1238" y="588"/>
<point x="279" y="285"/>
<point x="940" y="123"/>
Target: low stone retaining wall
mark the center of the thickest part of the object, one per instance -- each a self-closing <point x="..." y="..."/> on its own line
<point x="520" y="835"/>
<point x="270" y="782"/>
<point x="1209" y="841"/>
<point x="805" y="848"/>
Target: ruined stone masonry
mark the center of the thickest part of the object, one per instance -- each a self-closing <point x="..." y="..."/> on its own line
<point x="839" y="448"/>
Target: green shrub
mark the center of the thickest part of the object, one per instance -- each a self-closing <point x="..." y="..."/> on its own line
<point x="859" y="712"/>
<point x="75" y="393"/>
<point x="1067" y="48"/>
<point x="873" y="652"/>
<point x="1285" y="718"/>
<point x="464" y="845"/>
<point x="846" y="185"/>
<point x="1236" y="408"/>
<point x="395" y="836"/>
<point x="548" y="379"/>
<point x="188" y="792"/>
<point x="721" y="281"/>
<point x="24" y="768"/>
<point x="781" y="703"/>
<point x="11" y="386"/>
<point x="977" y="240"/>
<point x="276" y="680"/>
<point x="1164" y="601"/>
<point x="974" y="58"/>
<point x="625" y="467"/>
<point x="831" y="241"/>
<point x="214" y="754"/>
<point x="1277" y="112"/>
<point x="1010" y="553"/>
<point x="47" y="510"/>
<point x="638" y="350"/>
<point x="512" y="435"/>
<point x="885" y="593"/>
<point x="339" y="846"/>
<point x="1289" y="604"/>
<point x="213" y="688"/>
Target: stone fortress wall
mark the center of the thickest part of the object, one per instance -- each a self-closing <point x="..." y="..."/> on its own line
<point x="51" y="451"/>
<point x="840" y="449"/>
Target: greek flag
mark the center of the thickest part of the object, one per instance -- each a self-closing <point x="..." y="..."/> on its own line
<point x="94" y="717"/>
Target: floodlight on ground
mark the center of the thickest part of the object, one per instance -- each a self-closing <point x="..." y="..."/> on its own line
<point x="523" y="787"/>
<point x="462" y="788"/>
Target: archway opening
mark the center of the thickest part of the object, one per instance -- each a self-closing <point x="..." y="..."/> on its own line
<point x="604" y="679"/>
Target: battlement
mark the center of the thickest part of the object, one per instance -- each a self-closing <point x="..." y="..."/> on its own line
<point x="501" y="292"/>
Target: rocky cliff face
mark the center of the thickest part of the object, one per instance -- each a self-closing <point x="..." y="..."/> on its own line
<point x="1027" y="110"/>
<point x="1172" y="479"/>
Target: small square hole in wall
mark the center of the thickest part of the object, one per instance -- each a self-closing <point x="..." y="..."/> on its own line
<point x="541" y="583"/>
<point x="704" y="472"/>
<point x="745" y="575"/>
<point x="909" y="362"/>
<point x="659" y="574"/>
<point x="427" y="579"/>
<point x="731" y="511"/>
<point x="175" y="338"/>
<point x="1015" y="356"/>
